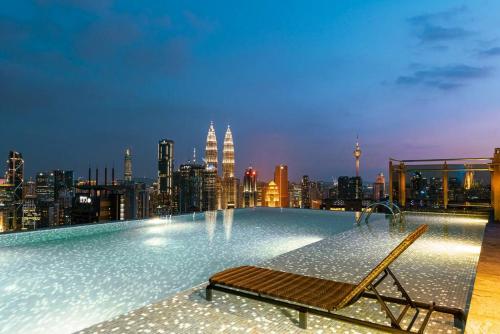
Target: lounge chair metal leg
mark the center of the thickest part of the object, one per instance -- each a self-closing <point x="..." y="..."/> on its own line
<point x="303" y="319"/>
<point x="208" y="293"/>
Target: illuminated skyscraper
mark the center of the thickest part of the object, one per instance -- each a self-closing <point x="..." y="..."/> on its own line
<point x="211" y="147"/>
<point x="379" y="188"/>
<point x="357" y="155"/>
<point x="15" y="177"/>
<point x="127" y="170"/>
<point x="281" y="180"/>
<point x="250" y="188"/>
<point x="165" y="166"/>
<point x="230" y="184"/>
<point x="306" y="192"/>
<point x="228" y="155"/>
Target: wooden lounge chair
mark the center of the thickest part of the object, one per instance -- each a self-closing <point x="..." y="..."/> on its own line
<point x="323" y="297"/>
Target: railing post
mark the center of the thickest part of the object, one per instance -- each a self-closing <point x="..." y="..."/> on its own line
<point x="445" y="185"/>
<point x="402" y="184"/>
<point x="391" y="195"/>
<point x="495" y="184"/>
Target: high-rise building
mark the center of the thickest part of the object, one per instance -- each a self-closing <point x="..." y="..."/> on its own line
<point x="211" y="147"/>
<point x="357" y="156"/>
<point x="228" y="155"/>
<point x="6" y="205"/>
<point x="165" y="199"/>
<point x="127" y="170"/>
<point x="189" y="184"/>
<point x="250" y="188"/>
<point x="379" y="188"/>
<point x="15" y="177"/>
<point x="281" y="180"/>
<point x="209" y="198"/>
<point x="306" y="192"/>
<point x="295" y="194"/>
<point x="350" y="188"/>
<point x="230" y="184"/>
<point x="165" y="166"/>
<point x="46" y="205"/>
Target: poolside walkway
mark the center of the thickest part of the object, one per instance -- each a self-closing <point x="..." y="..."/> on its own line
<point x="483" y="314"/>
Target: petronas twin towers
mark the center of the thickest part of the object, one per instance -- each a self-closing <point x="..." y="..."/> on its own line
<point x="211" y="152"/>
<point x="229" y="184"/>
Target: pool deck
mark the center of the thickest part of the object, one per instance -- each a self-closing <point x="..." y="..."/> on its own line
<point x="189" y="312"/>
<point x="484" y="316"/>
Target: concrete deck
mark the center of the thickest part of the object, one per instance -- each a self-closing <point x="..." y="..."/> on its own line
<point x="483" y="314"/>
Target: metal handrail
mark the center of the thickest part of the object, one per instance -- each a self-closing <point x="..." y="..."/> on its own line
<point x="389" y="205"/>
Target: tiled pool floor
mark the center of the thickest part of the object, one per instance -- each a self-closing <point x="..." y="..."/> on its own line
<point x="439" y="267"/>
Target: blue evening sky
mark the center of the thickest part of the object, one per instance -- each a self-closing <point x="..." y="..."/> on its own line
<point x="297" y="81"/>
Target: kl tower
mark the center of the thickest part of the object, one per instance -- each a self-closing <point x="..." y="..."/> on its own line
<point x="357" y="155"/>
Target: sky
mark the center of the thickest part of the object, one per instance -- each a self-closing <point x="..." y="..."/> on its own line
<point x="298" y="81"/>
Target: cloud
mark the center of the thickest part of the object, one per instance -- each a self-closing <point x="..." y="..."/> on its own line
<point x="445" y="77"/>
<point x="438" y="16"/>
<point x="440" y="26"/>
<point x="495" y="51"/>
<point x="433" y="33"/>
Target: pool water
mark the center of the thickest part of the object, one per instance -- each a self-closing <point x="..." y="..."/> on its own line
<point x="64" y="280"/>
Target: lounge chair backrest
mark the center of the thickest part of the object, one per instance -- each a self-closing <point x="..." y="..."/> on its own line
<point x="372" y="276"/>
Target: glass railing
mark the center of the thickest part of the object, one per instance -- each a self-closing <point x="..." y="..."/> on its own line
<point x="455" y="184"/>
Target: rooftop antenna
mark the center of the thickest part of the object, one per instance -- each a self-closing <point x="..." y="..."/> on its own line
<point x="194" y="155"/>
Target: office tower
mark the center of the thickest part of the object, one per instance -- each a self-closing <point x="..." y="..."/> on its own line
<point x="165" y="166"/>
<point x="306" y="192"/>
<point x="229" y="182"/>
<point x="295" y="194"/>
<point x="44" y="187"/>
<point x="357" y="155"/>
<point x="189" y="187"/>
<point x="281" y="180"/>
<point x="45" y="199"/>
<point x="209" y="198"/>
<point x="316" y="195"/>
<point x="63" y="194"/>
<point x="127" y="170"/>
<point x="261" y="190"/>
<point x="165" y="199"/>
<point x="343" y="187"/>
<point x="211" y="147"/>
<point x="228" y="155"/>
<point x="379" y="188"/>
<point x="63" y="181"/>
<point x="15" y="177"/>
<point x="250" y="188"/>
<point x="6" y="205"/>
<point x="350" y="188"/>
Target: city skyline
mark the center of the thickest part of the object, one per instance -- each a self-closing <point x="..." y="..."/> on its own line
<point x="411" y="85"/>
<point x="210" y="146"/>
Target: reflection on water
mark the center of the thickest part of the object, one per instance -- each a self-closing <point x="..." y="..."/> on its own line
<point x="228" y="216"/>
<point x="210" y="224"/>
<point x="357" y="215"/>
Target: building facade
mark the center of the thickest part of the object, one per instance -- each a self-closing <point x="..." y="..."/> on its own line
<point x="250" y="188"/>
<point x="165" y="176"/>
<point x="230" y="185"/>
<point x="127" y="166"/>
<point x="281" y="181"/>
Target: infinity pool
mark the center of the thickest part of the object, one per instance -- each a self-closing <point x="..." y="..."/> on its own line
<point x="64" y="280"/>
